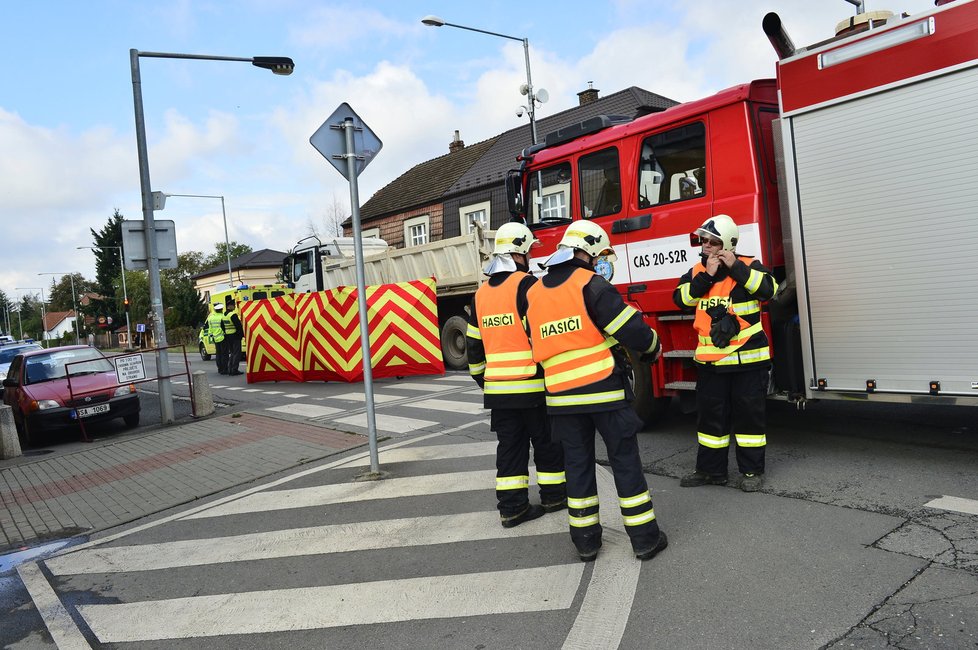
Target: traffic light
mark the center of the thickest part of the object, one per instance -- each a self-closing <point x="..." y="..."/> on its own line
<point x="125" y="304"/>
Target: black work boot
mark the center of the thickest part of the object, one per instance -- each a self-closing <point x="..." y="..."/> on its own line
<point x="699" y="478"/>
<point x="554" y="506"/>
<point x="587" y="549"/>
<point x="532" y="512"/>
<point x="649" y="553"/>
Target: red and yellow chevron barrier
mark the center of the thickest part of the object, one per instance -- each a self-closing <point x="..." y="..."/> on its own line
<point x="316" y="336"/>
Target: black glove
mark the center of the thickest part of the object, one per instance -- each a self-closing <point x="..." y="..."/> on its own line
<point x="724" y="326"/>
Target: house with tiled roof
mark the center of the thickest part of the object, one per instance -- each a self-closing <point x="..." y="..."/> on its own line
<point x="58" y="323"/>
<point x="257" y="267"/>
<point x="443" y="197"/>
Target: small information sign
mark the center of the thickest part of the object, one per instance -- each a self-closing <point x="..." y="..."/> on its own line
<point x="129" y="369"/>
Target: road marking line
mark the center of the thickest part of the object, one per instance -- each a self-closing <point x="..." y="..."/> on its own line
<point x="538" y="589"/>
<point x="218" y="386"/>
<point x="431" y="452"/>
<point x="294" y="395"/>
<point x="361" y="397"/>
<point x="298" y="542"/>
<point x="252" y="390"/>
<point x="389" y="423"/>
<point x="955" y="504"/>
<point x="426" y="388"/>
<point x="321" y="495"/>
<point x="305" y="410"/>
<point x="57" y="619"/>
<point x="273" y="392"/>
<point x="461" y="378"/>
<point x="452" y="407"/>
<point x="233" y="387"/>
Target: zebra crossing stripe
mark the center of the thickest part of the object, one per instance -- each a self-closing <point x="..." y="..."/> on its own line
<point x="425" y="388"/>
<point x="470" y="408"/>
<point x="955" y="504"/>
<point x="57" y="619"/>
<point x="321" y="495"/>
<point x="296" y="542"/>
<point x="362" y="397"/>
<point x="430" y="452"/>
<point x="389" y="423"/>
<point x="474" y="594"/>
<point x="456" y="378"/>
<point x="305" y="410"/>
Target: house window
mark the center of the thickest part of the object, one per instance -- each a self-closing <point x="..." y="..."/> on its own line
<point x="470" y="215"/>
<point x="416" y="231"/>
<point x="553" y="206"/>
<point x="372" y="232"/>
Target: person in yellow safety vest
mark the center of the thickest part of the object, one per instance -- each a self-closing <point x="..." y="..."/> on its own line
<point x="732" y="355"/>
<point x="578" y="325"/>
<point x="233" y="333"/>
<point x="501" y="362"/>
<point x="215" y="329"/>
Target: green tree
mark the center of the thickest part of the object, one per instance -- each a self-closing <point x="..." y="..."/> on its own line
<point x="60" y="295"/>
<point x="220" y="258"/>
<point x="107" y="258"/>
<point x="184" y="306"/>
<point x="6" y="324"/>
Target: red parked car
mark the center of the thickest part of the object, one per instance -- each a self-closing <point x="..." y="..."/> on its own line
<point x="37" y="390"/>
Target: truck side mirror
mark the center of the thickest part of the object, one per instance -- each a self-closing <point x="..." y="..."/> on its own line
<point x="514" y="194"/>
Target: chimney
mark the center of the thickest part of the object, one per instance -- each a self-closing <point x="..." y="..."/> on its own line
<point x="588" y="96"/>
<point x="456" y="144"/>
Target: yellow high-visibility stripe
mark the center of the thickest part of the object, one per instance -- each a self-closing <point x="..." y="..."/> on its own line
<point x="512" y="482"/>
<point x="586" y="502"/>
<point x="514" y="387"/>
<point x="551" y="478"/>
<point x="753" y="281"/>
<point x="584" y="522"/>
<point x="520" y="355"/>
<point x="747" y="356"/>
<point x="582" y="400"/>
<point x="685" y="295"/>
<point x="494" y="372"/>
<point x="751" y="440"/>
<point x="555" y="380"/>
<point x="637" y="500"/>
<point x="745" y="308"/>
<point x="571" y="355"/>
<point x="477" y="368"/>
<point x="742" y="335"/>
<point x="620" y="319"/>
<point x="639" y="519"/>
<point x="713" y="442"/>
<point x="473" y="332"/>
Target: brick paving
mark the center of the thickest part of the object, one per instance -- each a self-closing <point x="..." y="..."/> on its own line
<point x="122" y="480"/>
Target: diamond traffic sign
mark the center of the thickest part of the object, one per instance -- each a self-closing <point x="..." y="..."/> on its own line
<point x="330" y="140"/>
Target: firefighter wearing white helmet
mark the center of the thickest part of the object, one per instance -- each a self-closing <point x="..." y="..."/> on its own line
<point x="732" y="355"/>
<point x="577" y="319"/>
<point x="215" y="330"/>
<point x="501" y="362"/>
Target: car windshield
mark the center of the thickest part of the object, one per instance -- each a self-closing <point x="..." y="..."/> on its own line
<point x="8" y="352"/>
<point x="48" y="367"/>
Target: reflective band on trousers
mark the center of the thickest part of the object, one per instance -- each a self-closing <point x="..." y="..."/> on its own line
<point x="515" y="387"/>
<point x="637" y="500"/>
<point x="747" y="356"/>
<point x="639" y="519"/>
<point x="512" y="482"/>
<point x="584" y="522"/>
<point x="585" y="399"/>
<point x="713" y="442"/>
<point x="586" y="502"/>
<point x="551" y="478"/>
<point x="751" y="440"/>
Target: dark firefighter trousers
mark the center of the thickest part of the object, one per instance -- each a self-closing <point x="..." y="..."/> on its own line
<point x="618" y="429"/>
<point x="233" y="342"/>
<point x="730" y="404"/>
<point x="515" y="430"/>
<point x="222" y="356"/>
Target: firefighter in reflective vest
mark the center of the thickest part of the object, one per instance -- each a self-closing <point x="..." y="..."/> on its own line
<point x="501" y="362"/>
<point x="233" y="333"/>
<point x="215" y="329"/>
<point x="732" y="354"/>
<point x="577" y="321"/>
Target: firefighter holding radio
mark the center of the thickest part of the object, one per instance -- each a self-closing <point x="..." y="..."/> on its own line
<point x="733" y="357"/>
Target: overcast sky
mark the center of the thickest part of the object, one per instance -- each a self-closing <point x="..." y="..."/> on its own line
<point x="67" y="135"/>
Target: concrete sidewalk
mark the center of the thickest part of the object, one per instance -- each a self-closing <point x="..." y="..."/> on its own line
<point x="124" y="478"/>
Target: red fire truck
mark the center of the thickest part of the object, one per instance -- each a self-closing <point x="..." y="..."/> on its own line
<point x="852" y="175"/>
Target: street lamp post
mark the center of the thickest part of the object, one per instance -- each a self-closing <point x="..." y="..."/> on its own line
<point x="44" y="315"/>
<point x="278" y="65"/>
<point x="435" y="21"/>
<point x="227" y="243"/>
<point x="125" y="295"/>
<point x="74" y="301"/>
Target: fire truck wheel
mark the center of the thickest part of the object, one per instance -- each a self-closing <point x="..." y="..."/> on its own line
<point x="453" y="343"/>
<point x="648" y="407"/>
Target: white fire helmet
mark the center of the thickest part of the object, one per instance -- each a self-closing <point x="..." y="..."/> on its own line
<point x="513" y="237"/>
<point x="218" y="306"/>
<point x="719" y="227"/>
<point x="589" y="237"/>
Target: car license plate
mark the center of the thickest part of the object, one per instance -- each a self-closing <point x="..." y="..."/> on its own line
<point x="89" y="411"/>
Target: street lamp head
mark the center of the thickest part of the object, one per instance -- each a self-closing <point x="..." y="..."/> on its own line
<point x="433" y="21"/>
<point x="282" y="65"/>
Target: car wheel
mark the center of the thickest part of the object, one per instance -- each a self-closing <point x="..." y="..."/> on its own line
<point x="203" y="353"/>
<point x="23" y="432"/>
<point x="131" y="420"/>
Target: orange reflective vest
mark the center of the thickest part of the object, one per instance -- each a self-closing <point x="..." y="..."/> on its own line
<point x="719" y="294"/>
<point x="569" y="346"/>
<point x="508" y="354"/>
